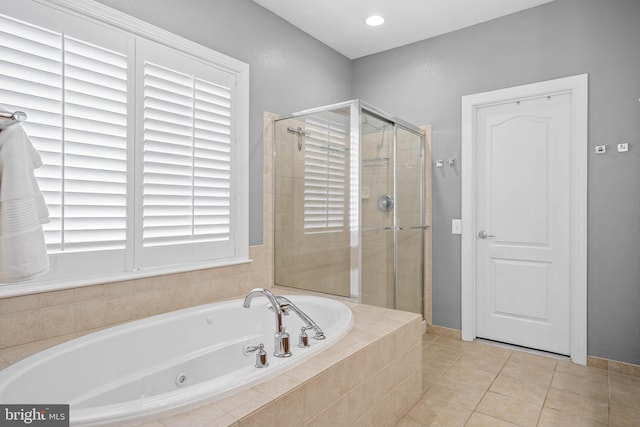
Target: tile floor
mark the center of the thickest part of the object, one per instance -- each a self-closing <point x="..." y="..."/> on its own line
<point x="477" y="384"/>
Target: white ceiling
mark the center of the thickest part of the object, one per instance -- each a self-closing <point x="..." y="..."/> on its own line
<point x="340" y="23"/>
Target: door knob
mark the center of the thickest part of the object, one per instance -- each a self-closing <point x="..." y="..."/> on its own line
<point x="483" y="234"/>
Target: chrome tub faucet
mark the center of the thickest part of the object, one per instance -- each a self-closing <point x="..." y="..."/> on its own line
<point x="281" y="337"/>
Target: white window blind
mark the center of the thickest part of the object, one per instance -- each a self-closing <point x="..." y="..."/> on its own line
<point x="143" y="136"/>
<point x="324" y="175"/>
<point x="76" y="96"/>
<point x="187" y="158"/>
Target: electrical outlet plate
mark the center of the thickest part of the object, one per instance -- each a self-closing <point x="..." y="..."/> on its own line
<point x="601" y="149"/>
<point x="623" y="147"/>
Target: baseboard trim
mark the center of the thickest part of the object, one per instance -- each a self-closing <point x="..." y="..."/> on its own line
<point x="445" y="332"/>
<point x="613" y="365"/>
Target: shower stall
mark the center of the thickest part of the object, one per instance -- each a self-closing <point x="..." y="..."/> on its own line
<point x="349" y="206"/>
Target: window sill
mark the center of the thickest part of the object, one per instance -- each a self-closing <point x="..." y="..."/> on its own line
<point x="34" y="287"/>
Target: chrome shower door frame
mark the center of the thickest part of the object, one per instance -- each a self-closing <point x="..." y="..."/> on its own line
<point x="356" y="109"/>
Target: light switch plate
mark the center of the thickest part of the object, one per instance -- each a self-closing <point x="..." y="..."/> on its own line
<point x="601" y="149"/>
<point x="456" y="226"/>
<point x="623" y="147"/>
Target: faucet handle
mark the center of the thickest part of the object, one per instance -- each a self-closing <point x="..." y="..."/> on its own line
<point x="303" y="338"/>
<point x="284" y="308"/>
<point x="261" y="355"/>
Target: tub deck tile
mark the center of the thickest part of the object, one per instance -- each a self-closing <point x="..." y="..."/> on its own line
<point x="360" y="379"/>
<point x="205" y="416"/>
<point x="353" y="382"/>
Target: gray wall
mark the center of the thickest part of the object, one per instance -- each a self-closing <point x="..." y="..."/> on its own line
<point x="290" y="70"/>
<point x="423" y="83"/>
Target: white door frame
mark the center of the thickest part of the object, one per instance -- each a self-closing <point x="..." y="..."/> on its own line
<point x="576" y="86"/>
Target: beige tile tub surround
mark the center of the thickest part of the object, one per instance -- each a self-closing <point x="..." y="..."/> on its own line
<point x="371" y="377"/>
<point x="36" y="317"/>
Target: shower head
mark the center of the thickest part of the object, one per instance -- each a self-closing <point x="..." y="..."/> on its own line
<point x="377" y="125"/>
<point x="301" y="135"/>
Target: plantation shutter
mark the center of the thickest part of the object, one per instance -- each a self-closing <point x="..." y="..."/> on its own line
<point x="31" y="80"/>
<point x="187" y="161"/>
<point x="324" y="175"/>
<point x="75" y="95"/>
<point x="95" y="147"/>
<point x="142" y="168"/>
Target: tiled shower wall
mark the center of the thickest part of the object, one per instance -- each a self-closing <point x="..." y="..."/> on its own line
<point x="313" y="261"/>
<point x="29" y="318"/>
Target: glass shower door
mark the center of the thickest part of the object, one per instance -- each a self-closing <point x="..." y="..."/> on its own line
<point x="377" y="211"/>
<point x="348" y="199"/>
<point x="392" y="219"/>
<point x="409" y="221"/>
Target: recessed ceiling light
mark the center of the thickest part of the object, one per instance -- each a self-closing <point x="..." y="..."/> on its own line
<point x="374" y="20"/>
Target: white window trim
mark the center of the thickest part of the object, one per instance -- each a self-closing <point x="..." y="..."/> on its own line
<point x="106" y="15"/>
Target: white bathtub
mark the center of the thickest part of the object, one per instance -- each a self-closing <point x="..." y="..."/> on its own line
<point x="172" y="361"/>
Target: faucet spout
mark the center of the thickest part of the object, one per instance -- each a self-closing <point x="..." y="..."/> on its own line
<point x="281" y="338"/>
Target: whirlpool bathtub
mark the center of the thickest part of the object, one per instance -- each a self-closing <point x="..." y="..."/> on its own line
<point x="165" y="363"/>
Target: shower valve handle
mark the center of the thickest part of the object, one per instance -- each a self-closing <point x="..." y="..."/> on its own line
<point x="385" y="203"/>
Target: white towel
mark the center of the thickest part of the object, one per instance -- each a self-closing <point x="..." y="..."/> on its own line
<point x="23" y="252"/>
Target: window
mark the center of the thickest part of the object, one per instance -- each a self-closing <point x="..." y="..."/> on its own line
<point x="187" y="151"/>
<point x="76" y="94"/>
<point x="143" y="141"/>
<point x="324" y="175"/>
<point x="186" y="164"/>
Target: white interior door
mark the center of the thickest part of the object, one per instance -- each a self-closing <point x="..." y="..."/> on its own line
<point x="523" y="222"/>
